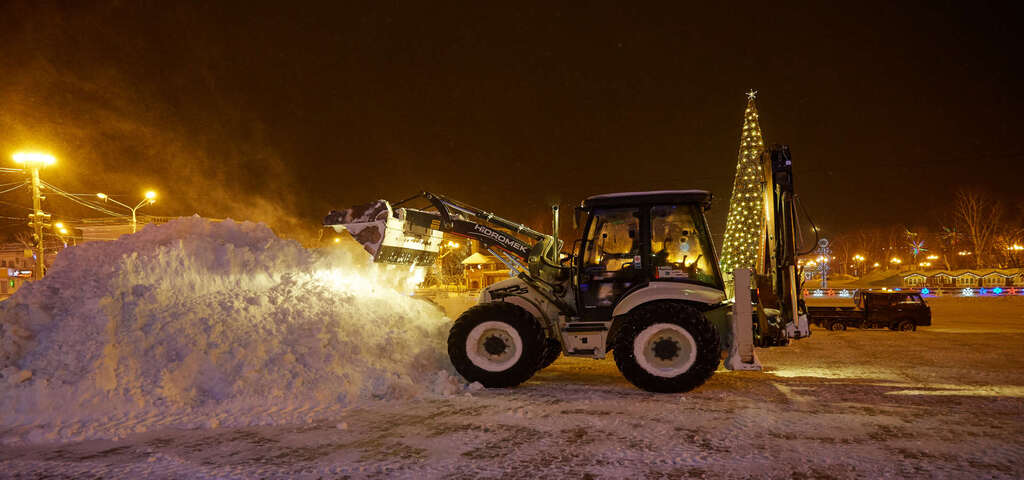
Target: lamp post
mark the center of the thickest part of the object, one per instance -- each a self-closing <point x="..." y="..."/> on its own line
<point x="859" y="260"/>
<point x="33" y="162"/>
<point x="149" y="199"/>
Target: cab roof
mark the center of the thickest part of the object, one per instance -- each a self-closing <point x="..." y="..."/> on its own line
<point x="625" y="199"/>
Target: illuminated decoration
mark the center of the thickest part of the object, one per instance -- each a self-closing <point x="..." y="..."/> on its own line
<point x="830" y="293"/>
<point x="916" y="246"/>
<point x="818" y="293"/>
<point x="981" y="291"/>
<point x="844" y="293"/>
<point x="997" y="291"/>
<point x="1015" y="247"/>
<point x="925" y="291"/>
<point x="932" y="257"/>
<point x="967" y="292"/>
<point x="746" y="207"/>
<point x="824" y="257"/>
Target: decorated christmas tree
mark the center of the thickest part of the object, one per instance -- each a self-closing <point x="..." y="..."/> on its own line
<point x="744" y="225"/>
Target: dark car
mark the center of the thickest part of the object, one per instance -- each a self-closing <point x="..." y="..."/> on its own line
<point x="904" y="311"/>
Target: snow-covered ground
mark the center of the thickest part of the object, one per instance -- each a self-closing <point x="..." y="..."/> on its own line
<point x="945" y="401"/>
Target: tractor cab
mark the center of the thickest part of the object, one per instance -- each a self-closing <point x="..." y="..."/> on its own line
<point x="633" y="241"/>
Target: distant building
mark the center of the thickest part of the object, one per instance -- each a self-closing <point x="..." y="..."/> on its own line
<point x="999" y="277"/>
<point x="483" y="271"/>
<point x="15" y="267"/>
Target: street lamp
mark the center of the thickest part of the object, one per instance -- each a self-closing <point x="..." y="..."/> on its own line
<point x="149" y="199"/>
<point x="34" y="161"/>
<point x="859" y="259"/>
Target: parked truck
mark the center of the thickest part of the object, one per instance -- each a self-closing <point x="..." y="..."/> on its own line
<point x="901" y="311"/>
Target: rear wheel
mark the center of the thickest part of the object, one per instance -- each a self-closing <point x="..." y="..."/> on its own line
<point x="497" y="344"/>
<point x="906" y="326"/>
<point x="667" y="347"/>
<point x="837" y="326"/>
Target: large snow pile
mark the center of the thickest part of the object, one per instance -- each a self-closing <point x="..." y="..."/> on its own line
<point x="203" y="323"/>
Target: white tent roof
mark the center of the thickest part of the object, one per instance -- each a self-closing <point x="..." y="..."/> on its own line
<point x="479" y="259"/>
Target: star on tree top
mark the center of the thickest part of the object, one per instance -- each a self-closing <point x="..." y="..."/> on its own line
<point x="752" y="94"/>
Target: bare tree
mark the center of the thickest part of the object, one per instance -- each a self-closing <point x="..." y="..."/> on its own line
<point x="868" y="243"/>
<point x="25" y="239"/>
<point x="841" y="249"/>
<point x="978" y="216"/>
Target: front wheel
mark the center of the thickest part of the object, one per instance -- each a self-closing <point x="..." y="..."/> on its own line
<point x="667" y="347"/>
<point x="497" y="344"/>
<point x="837" y="326"/>
<point x="906" y="326"/>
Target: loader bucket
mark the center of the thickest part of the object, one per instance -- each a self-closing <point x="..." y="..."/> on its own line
<point x="402" y="236"/>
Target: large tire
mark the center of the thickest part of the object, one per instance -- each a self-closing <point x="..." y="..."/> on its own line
<point x="552" y="350"/>
<point x="497" y="344"/>
<point x="667" y="347"/>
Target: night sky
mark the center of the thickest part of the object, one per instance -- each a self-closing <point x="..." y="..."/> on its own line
<point x="280" y="113"/>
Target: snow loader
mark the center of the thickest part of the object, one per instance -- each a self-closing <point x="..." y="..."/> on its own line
<point x="642" y="282"/>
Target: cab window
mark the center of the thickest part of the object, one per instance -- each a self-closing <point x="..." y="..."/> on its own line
<point x="910" y="299"/>
<point x="679" y="245"/>
<point x="613" y="242"/>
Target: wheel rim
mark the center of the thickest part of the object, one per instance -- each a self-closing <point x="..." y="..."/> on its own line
<point x="494" y="346"/>
<point x="665" y="350"/>
<point x="906" y="326"/>
<point x="838" y="326"/>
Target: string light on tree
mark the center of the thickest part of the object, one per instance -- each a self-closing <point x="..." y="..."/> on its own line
<point x="744" y="223"/>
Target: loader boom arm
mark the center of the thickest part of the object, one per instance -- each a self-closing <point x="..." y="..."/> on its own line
<point x="383" y="230"/>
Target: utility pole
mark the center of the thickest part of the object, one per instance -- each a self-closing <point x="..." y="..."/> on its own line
<point x="37" y="219"/>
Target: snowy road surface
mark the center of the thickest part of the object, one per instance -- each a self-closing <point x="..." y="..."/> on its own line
<point x="944" y="402"/>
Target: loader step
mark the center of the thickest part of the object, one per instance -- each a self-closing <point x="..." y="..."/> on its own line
<point x="585" y="327"/>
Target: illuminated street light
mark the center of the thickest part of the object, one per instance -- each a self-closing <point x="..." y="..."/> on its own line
<point x="858" y="258"/>
<point x="933" y="257"/>
<point x="149" y="198"/>
<point x="895" y="260"/>
<point x="33" y="161"/>
<point x="1015" y="247"/>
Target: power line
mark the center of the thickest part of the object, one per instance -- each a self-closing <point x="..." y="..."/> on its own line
<point x="22" y="184"/>
<point x="84" y="203"/>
